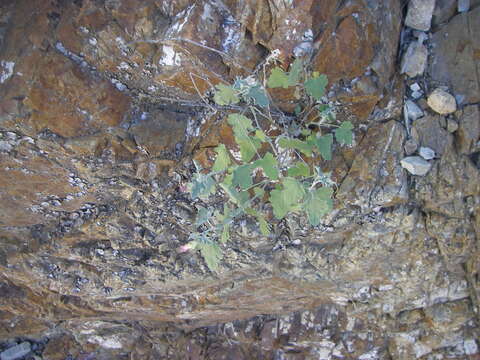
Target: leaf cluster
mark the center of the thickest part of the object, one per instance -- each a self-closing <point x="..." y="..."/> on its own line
<point x="260" y="175"/>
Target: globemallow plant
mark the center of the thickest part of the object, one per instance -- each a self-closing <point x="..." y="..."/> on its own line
<point x="272" y="164"/>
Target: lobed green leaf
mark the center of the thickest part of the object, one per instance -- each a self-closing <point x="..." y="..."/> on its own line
<point x="315" y="86"/>
<point x="225" y="95"/>
<point x="344" y="134"/>
<point x="324" y="144"/>
<point x="223" y="159"/>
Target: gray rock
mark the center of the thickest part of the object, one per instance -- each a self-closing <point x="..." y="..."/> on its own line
<point x="463" y="5"/>
<point x="415" y="165"/>
<point x="452" y="125"/>
<point x="410" y="146"/>
<point x="470" y="346"/>
<point x="413" y="110"/>
<point x="16" y="352"/>
<point x="415" y="59"/>
<point x="442" y="102"/>
<point x="415" y="87"/>
<point x="417" y="95"/>
<point x="426" y="153"/>
<point x="419" y="15"/>
<point x="5" y="146"/>
<point x="421" y="36"/>
<point x="429" y="133"/>
<point x="444" y="10"/>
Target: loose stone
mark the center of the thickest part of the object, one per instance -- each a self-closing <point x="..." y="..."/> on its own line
<point x="442" y="102"/>
<point x="416" y="165"/>
<point x="426" y="153"/>
<point x="415" y="59"/>
<point x="419" y="15"/>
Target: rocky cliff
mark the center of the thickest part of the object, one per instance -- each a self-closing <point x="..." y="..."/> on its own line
<point x="103" y="106"/>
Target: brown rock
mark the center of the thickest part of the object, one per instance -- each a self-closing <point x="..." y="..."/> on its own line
<point x="61" y="347"/>
<point x="454" y="56"/>
<point x="430" y="134"/>
<point x="161" y="131"/>
<point x="61" y="100"/>
<point x="468" y="133"/>
<point x="378" y="178"/>
<point x="352" y="48"/>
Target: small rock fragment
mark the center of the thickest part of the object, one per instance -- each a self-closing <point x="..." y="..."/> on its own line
<point x="416" y="165"/>
<point x="415" y="59"/>
<point x="16" y="352"/>
<point x="426" y="153"/>
<point x="442" y="102"/>
<point x="413" y="110"/>
<point x="5" y="146"/>
<point x="452" y="125"/>
<point x="410" y="146"/>
<point x="415" y="87"/>
<point x="463" y="5"/>
<point x="421" y="36"/>
<point x="419" y="15"/>
<point x="470" y="347"/>
<point x="417" y="94"/>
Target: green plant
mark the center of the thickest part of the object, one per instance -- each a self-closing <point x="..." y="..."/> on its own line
<point x="273" y="161"/>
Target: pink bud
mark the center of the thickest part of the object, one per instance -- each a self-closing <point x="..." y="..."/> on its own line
<point x="185" y="248"/>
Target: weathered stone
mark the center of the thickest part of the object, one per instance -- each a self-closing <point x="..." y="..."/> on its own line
<point x="452" y="125"/>
<point x="419" y="14"/>
<point x="468" y="133"/>
<point x="442" y="102"/>
<point x="455" y="58"/>
<point x="415" y="59"/>
<point x="426" y="153"/>
<point x="378" y="178"/>
<point x="429" y="133"/>
<point x="160" y="131"/>
<point x="450" y="172"/>
<point x="410" y="146"/>
<point x="413" y="110"/>
<point x="444" y="10"/>
<point x="61" y="347"/>
<point x="16" y="352"/>
<point x="415" y="165"/>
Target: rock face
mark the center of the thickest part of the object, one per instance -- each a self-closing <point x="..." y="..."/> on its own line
<point x="455" y="58"/>
<point x="103" y="105"/>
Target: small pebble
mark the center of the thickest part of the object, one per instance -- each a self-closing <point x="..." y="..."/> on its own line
<point x="417" y="94"/>
<point x="415" y="87"/>
<point x="426" y="153"/>
<point x="11" y="135"/>
<point x="5" y="146"/>
<point x="442" y="102"/>
<point x="452" y="125"/>
<point x="410" y="146"/>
